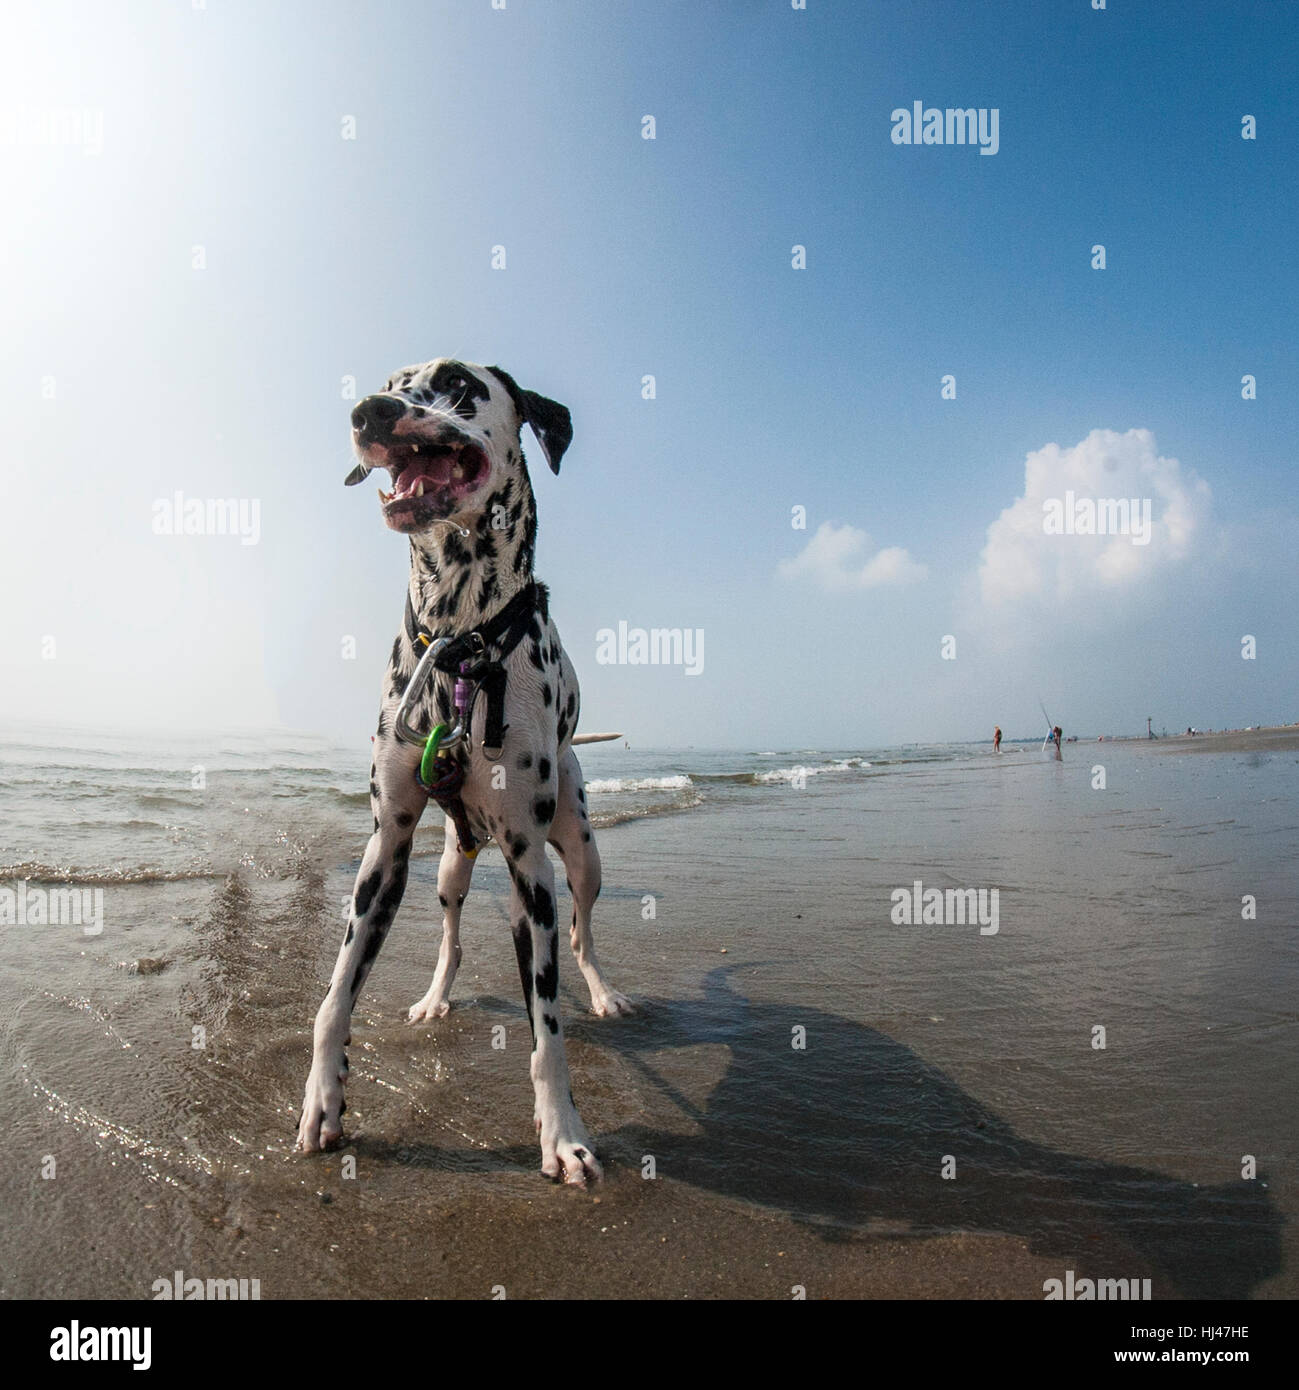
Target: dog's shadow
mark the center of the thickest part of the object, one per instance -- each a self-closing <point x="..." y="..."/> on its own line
<point x="854" y="1129"/>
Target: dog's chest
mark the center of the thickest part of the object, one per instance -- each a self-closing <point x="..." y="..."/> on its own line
<point x="516" y="792"/>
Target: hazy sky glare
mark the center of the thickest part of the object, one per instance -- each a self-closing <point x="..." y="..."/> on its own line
<point x="777" y="388"/>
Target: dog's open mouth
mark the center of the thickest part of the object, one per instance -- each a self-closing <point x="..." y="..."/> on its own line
<point x="428" y="480"/>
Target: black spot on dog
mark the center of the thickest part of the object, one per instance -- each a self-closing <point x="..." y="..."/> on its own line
<point x="524" y="761"/>
<point x="543" y="809"/>
<point x="543" y="770"/>
<point x="443" y="899"/>
<point x="548" y="979"/>
<point x="489" y="589"/>
<point x="523" y="953"/>
<point x="546" y="697"/>
<point x="536" y="897"/>
<point x="365" y="892"/>
<point x="581" y="795"/>
<point x="551" y="1022"/>
<point x="454" y="379"/>
<point x="586" y="835"/>
<point x="404" y="819"/>
<point x="572" y="704"/>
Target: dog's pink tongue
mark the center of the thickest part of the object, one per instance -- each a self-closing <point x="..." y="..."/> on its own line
<point x="433" y="473"/>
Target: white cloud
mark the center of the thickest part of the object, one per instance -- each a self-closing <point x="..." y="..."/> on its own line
<point x="838" y="559"/>
<point x="1022" y="561"/>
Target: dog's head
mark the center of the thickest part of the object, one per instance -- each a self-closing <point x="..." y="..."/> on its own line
<point x="448" y="434"/>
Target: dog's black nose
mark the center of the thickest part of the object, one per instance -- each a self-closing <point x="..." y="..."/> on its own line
<point x="376" y="415"/>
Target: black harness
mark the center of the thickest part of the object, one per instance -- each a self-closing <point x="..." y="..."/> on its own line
<point x="469" y="658"/>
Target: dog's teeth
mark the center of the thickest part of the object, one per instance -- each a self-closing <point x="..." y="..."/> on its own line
<point x="414" y="448"/>
<point x="385" y="497"/>
<point x="419" y="488"/>
<point x="457" y="472"/>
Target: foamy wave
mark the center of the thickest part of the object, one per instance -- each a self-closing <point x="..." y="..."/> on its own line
<point x="788" y="774"/>
<point x="34" y="872"/>
<point x="678" y="783"/>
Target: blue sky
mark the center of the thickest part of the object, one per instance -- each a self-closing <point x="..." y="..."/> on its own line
<point x="776" y="388"/>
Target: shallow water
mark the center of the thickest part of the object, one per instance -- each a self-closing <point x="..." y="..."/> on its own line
<point x="1118" y="908"/>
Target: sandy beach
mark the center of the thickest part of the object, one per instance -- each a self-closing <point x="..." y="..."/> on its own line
<point x="1282" y="739"/>
<point x="738" y="1163"/>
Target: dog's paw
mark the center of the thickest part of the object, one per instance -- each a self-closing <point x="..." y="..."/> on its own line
<point x="433" y="1005"/>
<point x="566" y="1153"/>
<point x="321" y="1124"/>
<point x="608" y="1003"/>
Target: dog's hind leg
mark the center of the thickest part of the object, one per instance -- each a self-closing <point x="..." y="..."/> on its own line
<point x="397" y="801"/>
<point x="454" y="872"/>
<point x="572" y="836"/>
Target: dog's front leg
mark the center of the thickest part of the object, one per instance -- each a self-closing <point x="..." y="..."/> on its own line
<point x="565" y="1146"/>
<point x="397" y="801"/>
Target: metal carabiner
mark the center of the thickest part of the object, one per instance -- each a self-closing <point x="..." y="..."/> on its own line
<point x="420" y="678"/>
<point x="415" y="687"/>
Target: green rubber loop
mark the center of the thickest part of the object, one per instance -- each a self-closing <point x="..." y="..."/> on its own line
<point x="430" y="753"/>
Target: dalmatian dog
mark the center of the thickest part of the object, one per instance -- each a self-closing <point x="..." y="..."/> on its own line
<point x="448" y="433"/>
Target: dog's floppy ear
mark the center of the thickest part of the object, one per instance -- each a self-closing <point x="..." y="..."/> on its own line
<point x="550" y="421"/>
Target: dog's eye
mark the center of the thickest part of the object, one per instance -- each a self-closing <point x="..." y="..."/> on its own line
<point x="456" y="383"/>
